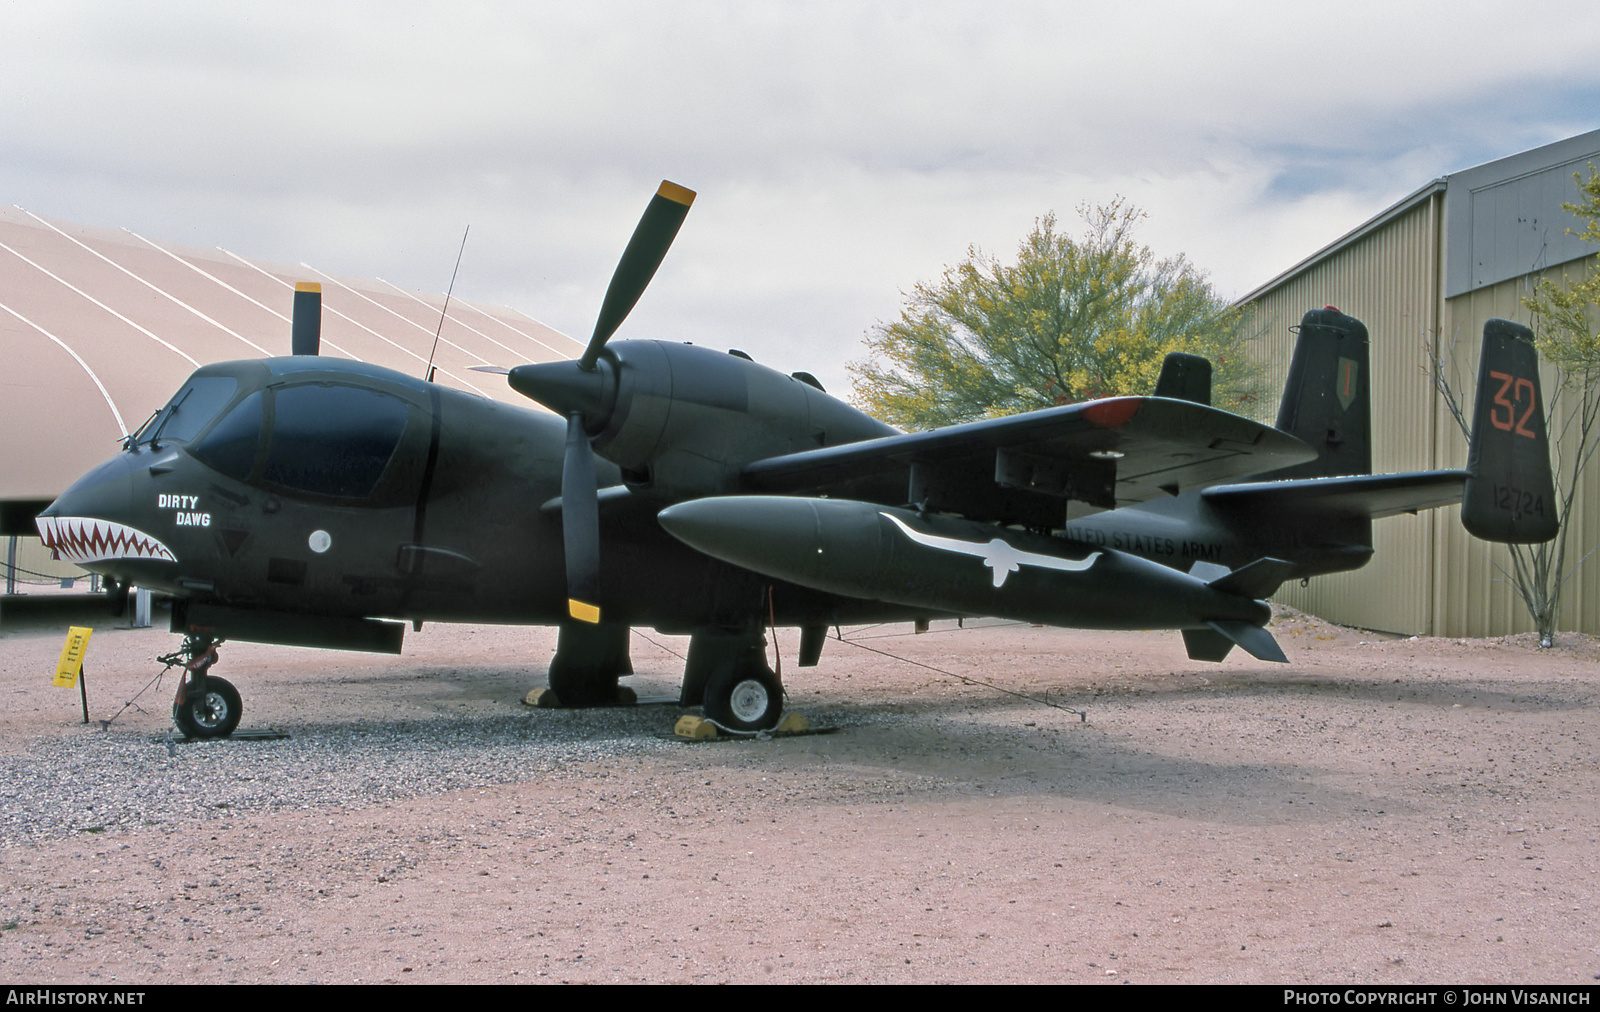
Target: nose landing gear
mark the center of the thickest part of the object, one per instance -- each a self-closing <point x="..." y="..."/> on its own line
<point x="206" y="706"/>
<point x="210" y="713"/>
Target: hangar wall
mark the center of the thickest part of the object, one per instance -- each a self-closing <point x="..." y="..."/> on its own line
<point x="1389" y="281"/>
<point x="1429" y="576"/>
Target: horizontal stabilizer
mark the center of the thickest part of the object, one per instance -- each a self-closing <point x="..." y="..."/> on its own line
<point x="1363" y="495"/>
<point x="1510" y="496"/>
<point x="1214" y="643"/>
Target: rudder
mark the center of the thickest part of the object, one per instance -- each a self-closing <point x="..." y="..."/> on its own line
<point x="1510" y="493"/>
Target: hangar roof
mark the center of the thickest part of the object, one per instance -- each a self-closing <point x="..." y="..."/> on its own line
<point x="1503" y="218"/>
<point x="99" y="326"/>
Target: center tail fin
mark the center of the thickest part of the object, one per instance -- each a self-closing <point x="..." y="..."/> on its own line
<point x="1510" y="494"/>
<point x="1327" y="399"/>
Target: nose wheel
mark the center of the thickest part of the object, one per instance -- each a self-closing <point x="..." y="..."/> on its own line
<point x="206" y="706"/>
<point x="209" y="712"/>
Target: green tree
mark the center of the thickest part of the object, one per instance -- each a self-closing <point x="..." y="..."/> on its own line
<point x="1071" y="319"/>
<point x="1565" y="332"/>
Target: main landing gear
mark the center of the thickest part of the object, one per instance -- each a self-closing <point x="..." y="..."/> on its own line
<point x="206" y="706"/>
<point x="589" y="659"/>
<point x="745" y="697"/>
<point x="727" y="674"/>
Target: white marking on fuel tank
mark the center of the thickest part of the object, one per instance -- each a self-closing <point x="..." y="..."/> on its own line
<point x="998" y="555"/>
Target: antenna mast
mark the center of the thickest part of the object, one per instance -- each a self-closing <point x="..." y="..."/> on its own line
<point x="442" y="313"/>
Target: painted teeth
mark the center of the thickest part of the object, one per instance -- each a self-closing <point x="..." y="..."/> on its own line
<point x="85" y="539"/>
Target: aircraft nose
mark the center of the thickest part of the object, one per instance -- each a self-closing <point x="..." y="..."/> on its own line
<point x="94" y="520"/>
<point x="105" y="491"/>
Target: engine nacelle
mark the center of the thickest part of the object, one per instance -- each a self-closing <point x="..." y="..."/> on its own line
<point x="684" y="420"/>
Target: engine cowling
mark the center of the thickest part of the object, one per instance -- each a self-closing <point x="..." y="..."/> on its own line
<point x="682" y="420"/>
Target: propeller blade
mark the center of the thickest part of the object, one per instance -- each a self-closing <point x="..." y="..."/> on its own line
<point x="648" y="247"/>
<point x="580" y="523"/>
<point x="305" y="332"/>
<point x="498" y="370"/>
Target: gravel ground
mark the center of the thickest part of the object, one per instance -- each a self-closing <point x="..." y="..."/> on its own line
<point x="1376" y="811"/>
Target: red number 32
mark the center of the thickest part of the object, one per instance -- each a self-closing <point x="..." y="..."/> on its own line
<point x="1509" y="422"/>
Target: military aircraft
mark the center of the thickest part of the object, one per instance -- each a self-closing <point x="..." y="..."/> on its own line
<point x="323" y="502"/>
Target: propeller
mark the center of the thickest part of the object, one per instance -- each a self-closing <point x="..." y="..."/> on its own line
<point x="580" y="523"/>
<point x="653" y="236"/>
<point x="306" y="329"/>
<point x="584" y="390"/>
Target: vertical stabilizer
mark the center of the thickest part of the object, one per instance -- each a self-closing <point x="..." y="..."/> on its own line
<point x="1510" y="495"/>
<point x="1185" y="377"/>
<point x="1327" y="398"/>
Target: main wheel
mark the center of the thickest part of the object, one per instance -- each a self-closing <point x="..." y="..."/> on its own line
<point x="213" y="713"/>
<point x="744" y="697"/>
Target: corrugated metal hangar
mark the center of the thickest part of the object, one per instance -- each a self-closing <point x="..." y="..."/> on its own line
<point x="1427" y="273"/>
<point x="98" y="327"/>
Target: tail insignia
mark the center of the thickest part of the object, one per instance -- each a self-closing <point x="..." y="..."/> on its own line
<point x="1349" y="381"/>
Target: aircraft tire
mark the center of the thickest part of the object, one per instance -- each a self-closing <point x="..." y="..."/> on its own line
<point x="744" y="697"/>
<point x="210" y="714"/>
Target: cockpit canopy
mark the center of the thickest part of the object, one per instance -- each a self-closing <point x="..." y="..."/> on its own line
<point x="195" y="404"/>
<point x="302" y="432"/>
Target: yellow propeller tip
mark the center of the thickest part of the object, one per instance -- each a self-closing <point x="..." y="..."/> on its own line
<point x="675" y="193"/>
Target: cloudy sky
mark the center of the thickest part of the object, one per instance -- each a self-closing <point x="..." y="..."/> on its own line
<point x="842" y="152"/>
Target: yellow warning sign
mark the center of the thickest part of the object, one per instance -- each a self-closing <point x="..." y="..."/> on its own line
<point x="72" y="652"/>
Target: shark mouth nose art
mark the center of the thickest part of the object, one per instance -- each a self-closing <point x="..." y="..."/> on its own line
<point x="85" y="539"/>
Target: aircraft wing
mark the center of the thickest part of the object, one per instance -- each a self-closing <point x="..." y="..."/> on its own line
<point x="1363" y="495"/>
<point x="1018" y="469"/>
